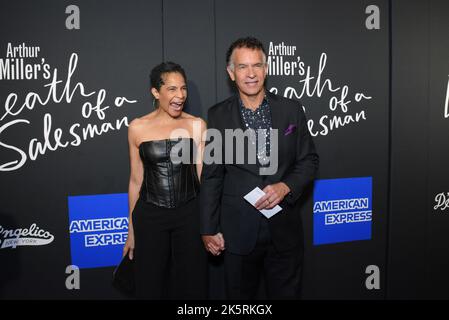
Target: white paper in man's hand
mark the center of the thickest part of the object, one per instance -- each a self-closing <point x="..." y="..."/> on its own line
<point x="255" y="195"/>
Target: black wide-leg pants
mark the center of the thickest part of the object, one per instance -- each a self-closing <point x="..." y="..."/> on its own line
<point x="170" y="259"/>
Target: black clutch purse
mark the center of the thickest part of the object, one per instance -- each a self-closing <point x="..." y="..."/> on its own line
<point x="123" y="277"/>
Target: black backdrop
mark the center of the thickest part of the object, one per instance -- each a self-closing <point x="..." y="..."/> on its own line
<point x="400" y="141"/>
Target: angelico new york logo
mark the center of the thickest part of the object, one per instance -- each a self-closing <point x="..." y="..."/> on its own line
<point x="32" y="236"/>
<point x="342" y="210"/>
<point x="98" y="229"/>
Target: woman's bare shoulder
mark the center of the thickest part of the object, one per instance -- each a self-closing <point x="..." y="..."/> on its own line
<point x="193" y="118"/>
<point x="144" y="120"/>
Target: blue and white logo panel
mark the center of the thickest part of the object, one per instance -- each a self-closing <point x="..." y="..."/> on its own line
<point x="98" y="229"/>
<point x="342" y="210"/>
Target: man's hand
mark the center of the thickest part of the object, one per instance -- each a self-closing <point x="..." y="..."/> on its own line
<point x="274" y="194"/>
<point x="214" y="244"/>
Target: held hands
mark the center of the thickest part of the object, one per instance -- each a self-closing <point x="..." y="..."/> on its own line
<point x="274" y="194"/>
<point x="129" y="246"/>
<point x="214" y="244"/>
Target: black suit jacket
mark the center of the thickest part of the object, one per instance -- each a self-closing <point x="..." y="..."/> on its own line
<point x="223" y="208"/>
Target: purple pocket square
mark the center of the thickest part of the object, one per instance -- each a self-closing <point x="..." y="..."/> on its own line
<point x="290" y="129"/>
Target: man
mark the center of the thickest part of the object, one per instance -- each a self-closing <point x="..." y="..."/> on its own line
<point x="257" y="245"/>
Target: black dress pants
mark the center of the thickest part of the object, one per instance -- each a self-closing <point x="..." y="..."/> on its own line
<point x="170" y="261"/>
<point x="281" y="270"/>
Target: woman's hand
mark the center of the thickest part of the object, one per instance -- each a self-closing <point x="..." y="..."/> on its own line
<point x="129" y="245"/>
<point x="215" y="244"/>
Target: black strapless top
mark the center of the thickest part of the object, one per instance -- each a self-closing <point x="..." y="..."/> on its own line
<point x="170" y="177"/>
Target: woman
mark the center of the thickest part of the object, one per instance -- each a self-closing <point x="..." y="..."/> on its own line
<point x="163" y="234"/>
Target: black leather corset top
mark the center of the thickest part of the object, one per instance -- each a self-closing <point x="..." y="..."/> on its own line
<point x="170" y="177"/>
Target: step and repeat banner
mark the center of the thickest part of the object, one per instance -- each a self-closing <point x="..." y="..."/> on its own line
<point x="419" y="192"/>
<point x="73" y="75"/>
<point x="331" y="56"/>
